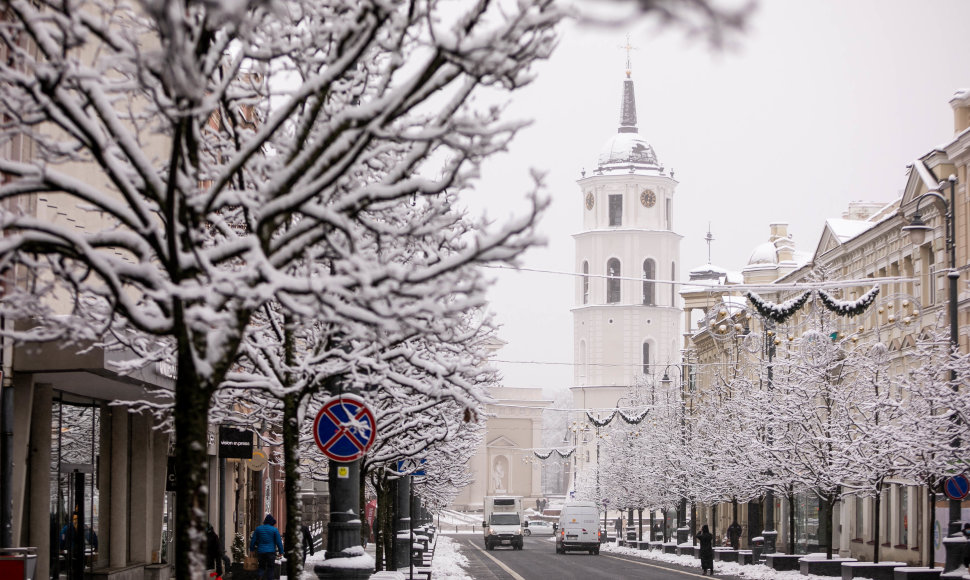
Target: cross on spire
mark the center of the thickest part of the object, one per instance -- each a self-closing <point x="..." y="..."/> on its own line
<point x="628" y="47"/>
<point x="709" y="238"/>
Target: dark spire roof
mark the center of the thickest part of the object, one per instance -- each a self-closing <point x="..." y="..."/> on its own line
<point x="628" y="108"/>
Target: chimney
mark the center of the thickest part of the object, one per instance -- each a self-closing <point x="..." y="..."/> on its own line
<point x="961" y="110"/>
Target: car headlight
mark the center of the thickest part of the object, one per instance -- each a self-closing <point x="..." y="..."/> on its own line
<point x="518" y="532"/>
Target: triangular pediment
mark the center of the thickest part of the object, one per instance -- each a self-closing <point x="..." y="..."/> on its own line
<point x="925" y="174"/>
<point x="502" y="441"/>
<point x="827" y="242"/>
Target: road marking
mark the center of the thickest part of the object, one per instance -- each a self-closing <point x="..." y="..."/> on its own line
<point x="686" y="573"/>
<point x="497" y="561"/>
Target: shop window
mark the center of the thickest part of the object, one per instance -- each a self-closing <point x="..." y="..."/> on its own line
<point x="75" y="500"/>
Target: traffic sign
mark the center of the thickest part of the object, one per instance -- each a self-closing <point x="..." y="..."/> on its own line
<point x="956" y="487"/>
<point x="413" y="467"/>
<point x="345" y="428"/>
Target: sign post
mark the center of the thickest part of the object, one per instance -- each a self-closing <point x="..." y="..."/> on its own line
<point x="344" y="429"/>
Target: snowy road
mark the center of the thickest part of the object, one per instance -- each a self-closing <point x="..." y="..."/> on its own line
<point x="538" y="561"/>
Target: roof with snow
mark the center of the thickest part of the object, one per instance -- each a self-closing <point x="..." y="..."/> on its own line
<point x="708" y="276"/>
<point x="627" y="151"/>
<point x="847" y="229"/>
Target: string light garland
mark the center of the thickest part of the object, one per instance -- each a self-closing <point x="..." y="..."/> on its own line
<point x="782" y="312"/>
<point x="778" y="312"/>
<point x="847" y="308"/>
<point x="629" y="419"/>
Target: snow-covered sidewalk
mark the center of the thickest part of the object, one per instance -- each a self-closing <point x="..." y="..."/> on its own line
<point x="755" y="572"/>
<point x="448" y="563"/>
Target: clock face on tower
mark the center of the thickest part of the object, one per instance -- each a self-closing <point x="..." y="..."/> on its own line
<point x="648" y="198"/>
<point x="589" y="200"/>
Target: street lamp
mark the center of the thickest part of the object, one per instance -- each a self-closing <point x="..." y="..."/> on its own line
<point x="682" y="529"/>
<point x="917" y="230"/>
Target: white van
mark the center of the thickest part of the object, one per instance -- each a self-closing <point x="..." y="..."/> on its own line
<point x="504" y="521"/>
<point x="578" y="528"/>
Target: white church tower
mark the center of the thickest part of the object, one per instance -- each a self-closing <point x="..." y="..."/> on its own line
<point x="627" y="317"/>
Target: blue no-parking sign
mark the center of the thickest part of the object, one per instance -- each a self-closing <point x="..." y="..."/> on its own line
<point x="345" y="428"/>
<point x="956" y="487"/>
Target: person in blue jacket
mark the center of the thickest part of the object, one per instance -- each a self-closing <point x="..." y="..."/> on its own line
<point x="265" y="542"/>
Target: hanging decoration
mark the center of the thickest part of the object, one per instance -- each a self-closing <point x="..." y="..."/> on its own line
<point x="630" y="419"/>
<point x="778" y="312"/>
<point x="598" y="422"/>
<point x="634" y="419"/>
<point x="849" y="308"/>
<point x="548" y="454"/>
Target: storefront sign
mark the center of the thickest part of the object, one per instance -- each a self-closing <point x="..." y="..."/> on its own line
<point x="235" y="443"/>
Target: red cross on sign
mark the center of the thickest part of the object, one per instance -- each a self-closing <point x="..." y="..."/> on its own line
<point x="345" y="428"/>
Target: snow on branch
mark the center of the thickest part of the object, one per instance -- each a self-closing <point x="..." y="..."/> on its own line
<point x="846" y="307"/>
<point x="778" y="312"/>
<point x="566" y="454"/>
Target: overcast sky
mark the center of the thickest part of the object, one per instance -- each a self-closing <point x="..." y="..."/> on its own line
<point x="820" y="102"/>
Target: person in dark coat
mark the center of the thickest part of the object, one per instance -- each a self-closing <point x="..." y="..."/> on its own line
<point x="265" y="542"/>
<point x="706" y="540"/>
<point x="734" y="535"/>
<point x="214" y="552"/>
<point x="307" y="542"/>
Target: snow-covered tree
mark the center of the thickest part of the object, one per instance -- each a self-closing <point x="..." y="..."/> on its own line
<point x="231" y="155"/>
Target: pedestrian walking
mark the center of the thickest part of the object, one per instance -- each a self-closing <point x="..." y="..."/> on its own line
<point x="706" y="540"/>
<point x="215" y="553"/>
<point x="734" y="535"/>
<point x="307" y="542"/>
<point x="265" y="542"/>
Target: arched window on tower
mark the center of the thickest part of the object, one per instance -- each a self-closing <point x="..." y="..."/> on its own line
<point x="649" y="275"/>
<point x="612" y="281"/>
<point x="673" y="289"/>
<point x="585" y="282"/>
<point x="646" y="358"/>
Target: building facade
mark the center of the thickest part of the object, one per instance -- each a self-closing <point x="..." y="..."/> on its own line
<point x="867" y="246"/>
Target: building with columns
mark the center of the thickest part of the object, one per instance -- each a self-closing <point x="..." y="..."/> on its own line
<point x="626" y="322"/>
<point x="504" y="463"/>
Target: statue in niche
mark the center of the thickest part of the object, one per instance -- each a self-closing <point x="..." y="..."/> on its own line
<point x="499" y="473"/>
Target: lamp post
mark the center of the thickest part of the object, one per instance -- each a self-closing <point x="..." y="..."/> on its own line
<point x="917" y="230"/>
<point x="682" y="529"/>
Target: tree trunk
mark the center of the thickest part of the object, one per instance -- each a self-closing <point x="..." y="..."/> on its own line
<point x="191" y="435"/>
<point x="714" y="522"/>
<point x="293" y="540"/>
<point x="825" y="519"/>
<point x="877" y="507"/>
<point x="930" y="521"/>
<point x="791" y="521"/>
<point x="364" y="525"/>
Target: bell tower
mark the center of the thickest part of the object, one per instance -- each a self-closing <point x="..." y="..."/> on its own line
<point x="627" y="314"/>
